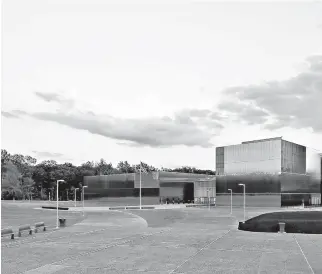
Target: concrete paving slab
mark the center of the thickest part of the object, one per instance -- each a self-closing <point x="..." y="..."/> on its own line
<point x="166" y="241"/>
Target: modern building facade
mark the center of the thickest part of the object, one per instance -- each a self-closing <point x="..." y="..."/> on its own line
<point x="275" y="173"/>
<point x="156" y="187"/>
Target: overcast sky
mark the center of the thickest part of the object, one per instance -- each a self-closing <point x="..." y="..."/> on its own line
<point x="162" y="82"/>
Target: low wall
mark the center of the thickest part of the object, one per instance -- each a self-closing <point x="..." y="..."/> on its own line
<point x="122" y="201"/>
<point x="254" y="200"/>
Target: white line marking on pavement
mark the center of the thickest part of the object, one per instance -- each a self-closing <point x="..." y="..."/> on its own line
<point x="201" y="249"/>
<point x="304" y="255"/>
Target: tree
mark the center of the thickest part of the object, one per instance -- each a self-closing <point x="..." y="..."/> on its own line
<point x="102" y="168"/>
<point x="125" y="167"/>
<point x="22" y="175"/>
<point x="5" y="158"/>
<point x="11" y="182"/>
<point x="187" y="169"/>
<point x="28" y="187"/>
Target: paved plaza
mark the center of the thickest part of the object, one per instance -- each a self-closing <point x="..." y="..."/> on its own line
<point x="182" y="240"/>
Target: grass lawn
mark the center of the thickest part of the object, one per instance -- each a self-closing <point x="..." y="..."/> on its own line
<point x="309" y="222"/>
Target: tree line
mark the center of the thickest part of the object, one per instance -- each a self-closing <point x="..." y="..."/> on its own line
<point x="22" y="177"/>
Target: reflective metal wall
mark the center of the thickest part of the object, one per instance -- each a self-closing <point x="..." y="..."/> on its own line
<point x="168" y="184"/>
<point x="171" y="190"/>
<point x="250" y="157"/>
<point x="255" y="183"/>
<point x="205" y="189"/>
<point x="147" y="181"/>
<point x="293" y="158"/>
<point x="117" y="185"/>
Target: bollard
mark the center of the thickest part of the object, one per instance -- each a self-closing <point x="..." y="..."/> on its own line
<point x="282" y="227"/>
<point x="7" y="231"/>
<point x="38" y="225"/>
<point x="62" y="222"/>
<point x="23" y="228"/>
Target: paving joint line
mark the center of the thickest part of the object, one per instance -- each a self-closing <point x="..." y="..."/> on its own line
<point x="28" y="240"/>
<point x="312" y="271"/>
<point x="104" y="247"/>
<point x="201" y="249"/>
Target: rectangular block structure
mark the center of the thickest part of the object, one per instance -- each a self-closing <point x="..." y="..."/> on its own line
<point x="274" y="166"/>
<point x="182" y="187"/>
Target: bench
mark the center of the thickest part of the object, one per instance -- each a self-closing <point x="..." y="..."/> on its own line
<point x="24" y="228"/>
<point x="7" y="231"/>
<point x="38" y="225"/>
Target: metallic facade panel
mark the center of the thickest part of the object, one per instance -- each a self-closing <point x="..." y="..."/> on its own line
<point x="313" y="166"/>
<point x="169" y="184"/>
<point x="253" y="157"/>
<point x="172" y="190"/>
<point x="201" y="187"/>
<point x="255" y="183"/>
<point x="299" y="183"/>
<point x="147" y="181"/>
<point x="262" y="200"/>
<point x="165" y="175"/>
<point x="220" y="160"/>
<point x="109" y="181"/>
<point x="293" y="158"/>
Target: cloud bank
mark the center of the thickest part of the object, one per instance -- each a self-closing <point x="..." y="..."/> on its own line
<point x="48" y="154"/>
<point x="294" y="103"/>
<point x="189" y="127"/>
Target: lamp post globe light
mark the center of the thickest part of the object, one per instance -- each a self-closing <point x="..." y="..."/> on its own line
<point x="58" y="181"/>
<point x="243" y="185"/>
<point x="83" y="188"/>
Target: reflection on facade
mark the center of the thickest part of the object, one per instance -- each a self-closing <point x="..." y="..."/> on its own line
<point x="275" y="172"/>
<point x="269" y="168"/>
<point x="155" y="187"/>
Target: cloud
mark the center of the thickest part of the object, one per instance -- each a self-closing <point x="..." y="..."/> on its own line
<point x="48" y="97"/>
<point x="9" y="114"/>
<point x="52" y="97"/>
<point x="187" y="127"/>
<point x="48" y="154"/>
<point x="295" y="103"/>
<point x="244" y="111"/>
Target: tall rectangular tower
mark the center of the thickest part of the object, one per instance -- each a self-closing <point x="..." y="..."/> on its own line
<point x="250" y="157"/>
<point x="293" y="158"/>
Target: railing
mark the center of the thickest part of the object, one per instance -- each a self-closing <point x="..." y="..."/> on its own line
<point x="205" y="200"/>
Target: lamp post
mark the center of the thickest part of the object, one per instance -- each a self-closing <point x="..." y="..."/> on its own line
<point x="243" y="185"/>
<point x="140" y="185"/>
<point x="75" y="195"/>
<point x="83" y="197"/>
<point x="58" y="181"/>
<point x="231" y="201"/>
<point x="208" y="198"/>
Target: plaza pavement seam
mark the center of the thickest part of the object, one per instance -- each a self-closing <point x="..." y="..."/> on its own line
<point x="312" y="271"/>
<point x="132" y="214"/>
<point x="262" y="256"/>
<point x="28" y="240"/>
<point x="201" y="249"/>
<point x="104" y="247"/>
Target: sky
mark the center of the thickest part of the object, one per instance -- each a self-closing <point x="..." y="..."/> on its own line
<point x="163" y="82"/>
